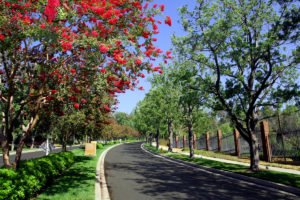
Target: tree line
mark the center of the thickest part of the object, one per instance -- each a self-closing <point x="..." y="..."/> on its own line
<point x="64" y="62"/>
<point x="238" y="59"/>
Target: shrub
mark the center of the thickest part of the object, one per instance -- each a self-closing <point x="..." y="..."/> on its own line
<point x="99" y="146"/>
<point x="110" y="143"/>
<point x="8" y="186"/>
<point x="32" y="175"/>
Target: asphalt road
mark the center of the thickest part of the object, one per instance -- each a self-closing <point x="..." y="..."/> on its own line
<point x="34" y="154"/>
<point x="133" y="174"/>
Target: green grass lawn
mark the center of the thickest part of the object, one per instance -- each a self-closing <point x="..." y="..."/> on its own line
<point x="278" y="177"/>
<point x="78" y="182"/>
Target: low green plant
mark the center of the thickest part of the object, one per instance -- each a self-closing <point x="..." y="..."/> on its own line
<point x="32" y="175"/>
<point x="99" y="146"/>
<point x="81" y="175"/>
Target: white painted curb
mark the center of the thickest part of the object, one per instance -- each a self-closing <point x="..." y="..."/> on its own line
<point x="101" y="190"/>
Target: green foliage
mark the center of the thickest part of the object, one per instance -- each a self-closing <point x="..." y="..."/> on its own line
<point x="99" y="146"/>
<point x="32" y="175"/>
<point x="225" y="128"/>
<point x="8" y="188"/>
<point x="123" y="119"/>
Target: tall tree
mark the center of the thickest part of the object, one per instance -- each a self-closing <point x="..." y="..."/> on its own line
<point x="169" y="98"/>
<point x="191" y="97"/>
<point x="151" y="112"/>
<point x="246" y="52"/>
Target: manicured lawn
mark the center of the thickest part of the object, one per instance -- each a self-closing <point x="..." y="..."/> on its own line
<point x="278" y="177"/>
<point x="78" y="182"/>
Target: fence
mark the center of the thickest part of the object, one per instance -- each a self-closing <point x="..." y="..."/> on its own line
<point x="271" y="144"/>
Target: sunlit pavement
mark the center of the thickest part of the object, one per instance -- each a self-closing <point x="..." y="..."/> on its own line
<point x="134" y="174"/>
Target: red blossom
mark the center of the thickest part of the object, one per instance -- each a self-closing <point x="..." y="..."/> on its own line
<point x="103" y="49"/>
<point x="94" y="33"/>
<point x="66" y="46"/>
<point x="1" y="37"/>
<point x="138" y="62"/>
<point x="156" y="68"/>
<point x="42" y="26"/>
<point x="76" y="105"/>
<point x="107" y="108"/>
<point x="168" y="21"/>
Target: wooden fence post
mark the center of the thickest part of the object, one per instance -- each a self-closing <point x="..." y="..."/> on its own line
<point x="237" y="142"/>
<point x="265" y="140"/>
<point x="194" y="141"/>
<point x="207" y="141"/>
<point x="176" y="142"/>
<point x="184" y="141"/>
<point x="219" y="133"/>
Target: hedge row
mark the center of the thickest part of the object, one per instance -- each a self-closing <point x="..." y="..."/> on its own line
<point x="100" y="146"/>
<point x="32" y="175"/>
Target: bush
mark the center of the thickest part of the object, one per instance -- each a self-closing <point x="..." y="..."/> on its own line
<point x="32" y="175"/>
<point x="99" y="146"/>
<point x="8" y="186"/>
<point x="111" y="143"/>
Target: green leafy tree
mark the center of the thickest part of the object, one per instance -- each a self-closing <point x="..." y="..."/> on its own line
<point x="191" y="97"/>
<point x="151" y="113"/>
<point x="246" y="53"/>
<point x="168" y="96"/>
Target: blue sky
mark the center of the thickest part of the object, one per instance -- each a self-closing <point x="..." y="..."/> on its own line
<point x="129" y="99"/>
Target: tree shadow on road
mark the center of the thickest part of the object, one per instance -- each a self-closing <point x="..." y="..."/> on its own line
<point x="159" y="179"/>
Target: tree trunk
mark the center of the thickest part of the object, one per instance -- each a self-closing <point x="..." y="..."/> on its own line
<point x="190" y="140"/>
<point x="12" y="144"/>
<point x="190" y="130"/>
<point x="32" y="142"/>
<point x="150" y="139"/>
<point x="64" y="143"/>
<point x="157" y="139"/>
<point x="64" y="147"/>
<point x="5" y="153"/>
<point x="18" y="154"/>
<point x="4" y="144"/>
<point x="254" y="153"/>
<point x="170" y="130"/>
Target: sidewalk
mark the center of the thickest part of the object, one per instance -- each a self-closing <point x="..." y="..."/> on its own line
<point x="39" y="150"/>
<point x="291" y="171"/>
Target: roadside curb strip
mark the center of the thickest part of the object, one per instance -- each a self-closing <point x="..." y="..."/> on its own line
<point x="234" y="176"/>
<point x="101" y="190"/>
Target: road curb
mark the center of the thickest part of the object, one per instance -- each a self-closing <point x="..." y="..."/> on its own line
<point x="101" y="190"/>
<point x="237" y="177"/>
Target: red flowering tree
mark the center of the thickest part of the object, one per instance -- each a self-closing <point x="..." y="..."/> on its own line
<point x="66" y="51"/>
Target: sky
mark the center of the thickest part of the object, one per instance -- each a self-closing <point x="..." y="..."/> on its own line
<point x="128" y="100"/>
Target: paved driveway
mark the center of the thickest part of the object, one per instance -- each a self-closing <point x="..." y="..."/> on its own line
<point x="134" y="174"/>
